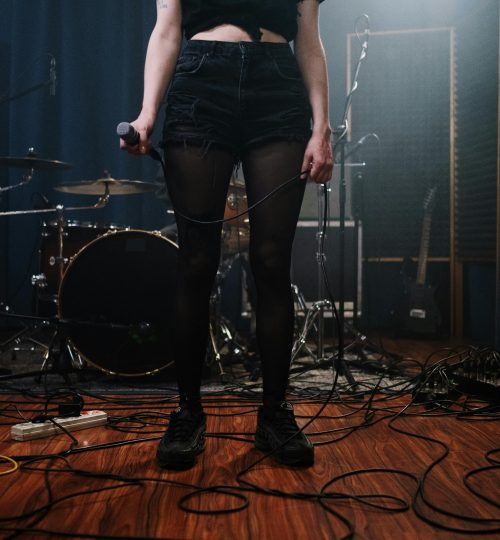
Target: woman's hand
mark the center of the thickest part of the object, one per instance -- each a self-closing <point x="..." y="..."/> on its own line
<point x="144" y="125"/>
<point x="318" y="158"/>
<point x="310" y="54"/>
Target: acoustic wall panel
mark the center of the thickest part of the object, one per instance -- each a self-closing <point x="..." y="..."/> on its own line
<point x="404" y="96"/>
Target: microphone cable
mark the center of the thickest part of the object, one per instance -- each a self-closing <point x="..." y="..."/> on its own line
<point x="130" y="135"/>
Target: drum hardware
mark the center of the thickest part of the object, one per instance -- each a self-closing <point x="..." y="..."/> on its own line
<point x="170" y="231"/>
<point x="309" y="321"/>
<point x="50" y="352"/>
<point x="39" y="281"/>
<point x="30" y="163"/>
<point x="76" y="234"/>
<point x="27" y="334"/>
<point x="223" y="345"/>
<point x="236" y="231"/>
<point x="101" y="203"/>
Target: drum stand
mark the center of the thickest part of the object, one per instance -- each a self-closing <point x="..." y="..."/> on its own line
<point x="59" y="354"/>
<point x="222" y="337"/>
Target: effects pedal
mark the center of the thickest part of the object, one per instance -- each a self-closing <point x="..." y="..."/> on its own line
<point x="37" y="430"/>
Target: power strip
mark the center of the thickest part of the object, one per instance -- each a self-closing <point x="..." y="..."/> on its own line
<point x="32" y="430"/>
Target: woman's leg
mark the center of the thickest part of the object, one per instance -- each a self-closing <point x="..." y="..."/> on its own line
<point x="197" y="181"/>
<point x="272" y="229"/>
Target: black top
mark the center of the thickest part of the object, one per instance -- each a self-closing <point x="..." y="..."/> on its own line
<point x="279" y="16"/>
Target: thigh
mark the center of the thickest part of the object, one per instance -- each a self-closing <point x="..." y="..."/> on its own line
<point x="266" y="166"/>
<point x="197" y="181"/>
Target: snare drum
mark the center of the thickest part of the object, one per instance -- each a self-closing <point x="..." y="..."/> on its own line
<point x="116" y="300"/>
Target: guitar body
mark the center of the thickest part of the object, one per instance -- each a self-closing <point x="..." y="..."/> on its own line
<point x="421" y="314"/>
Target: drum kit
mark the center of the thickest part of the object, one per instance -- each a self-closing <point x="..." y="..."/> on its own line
<point x="109" y="289"/>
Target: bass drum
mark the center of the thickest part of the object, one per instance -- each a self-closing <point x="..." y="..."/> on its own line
<point x="115" y="302"/>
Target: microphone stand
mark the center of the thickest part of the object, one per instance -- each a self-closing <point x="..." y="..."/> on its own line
<point x="340" y="133"/>
<point x="50" y="83"/>
<point x="318" y="308"/>
<point x="360" y="340"/>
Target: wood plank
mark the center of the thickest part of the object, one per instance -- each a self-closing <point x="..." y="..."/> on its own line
<point x="150" y="509"/>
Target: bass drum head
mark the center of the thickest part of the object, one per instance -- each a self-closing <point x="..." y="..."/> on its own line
<point x="116" y="299"/>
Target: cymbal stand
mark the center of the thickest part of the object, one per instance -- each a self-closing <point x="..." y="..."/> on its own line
<point x="26" y="179"/>
<point x="101" y="203"/>
<point x="315" y="314"/>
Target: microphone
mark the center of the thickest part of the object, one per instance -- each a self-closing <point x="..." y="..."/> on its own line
<point x="130" y="136"/>
<point x="128" y="133"/>
<point x="52" y="77"/>
<point x="366" y="35"/>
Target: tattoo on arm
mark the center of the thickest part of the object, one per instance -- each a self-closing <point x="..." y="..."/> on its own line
<point x="162" y="4"/>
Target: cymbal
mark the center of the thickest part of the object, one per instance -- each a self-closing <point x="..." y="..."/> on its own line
<point x="115" y="187"/>
<point x="28" y="162"/>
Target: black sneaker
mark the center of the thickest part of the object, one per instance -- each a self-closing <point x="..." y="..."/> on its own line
<point x="183" y="441"/>
<point x="279" y="430"/>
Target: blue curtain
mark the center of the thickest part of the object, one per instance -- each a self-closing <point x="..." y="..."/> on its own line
<point x="99" y="48"/>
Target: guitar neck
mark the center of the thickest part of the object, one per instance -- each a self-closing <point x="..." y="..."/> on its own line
<point x="424" y="249"/>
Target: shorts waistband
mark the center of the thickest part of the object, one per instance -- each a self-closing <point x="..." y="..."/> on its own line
<point x="231" y="48"/>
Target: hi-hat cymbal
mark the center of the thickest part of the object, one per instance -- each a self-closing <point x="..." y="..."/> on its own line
<point x="28" y="162"/>
<point x="115" y="187"/>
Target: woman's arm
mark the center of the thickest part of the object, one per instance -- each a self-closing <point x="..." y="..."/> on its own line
<point x="311" y="59"/>
<point x="161" y="57"/>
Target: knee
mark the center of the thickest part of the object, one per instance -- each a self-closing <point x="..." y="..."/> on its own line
<point x="198" y="267"/>
<point x="269" y="263"/>
<point x="199" y="253"/>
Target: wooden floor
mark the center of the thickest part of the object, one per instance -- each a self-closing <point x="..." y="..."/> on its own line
<point x="368" y="451"/>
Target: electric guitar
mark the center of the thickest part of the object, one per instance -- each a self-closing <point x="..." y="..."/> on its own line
<point x="422" y="315"/>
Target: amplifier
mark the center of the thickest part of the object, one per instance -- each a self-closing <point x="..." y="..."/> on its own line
<point x="306" y="272"/>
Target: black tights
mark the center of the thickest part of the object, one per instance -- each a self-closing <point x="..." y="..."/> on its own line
<point x="198" y="181"/>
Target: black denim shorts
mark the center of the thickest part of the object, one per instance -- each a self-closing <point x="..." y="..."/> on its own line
<point x="232" y="95"/>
